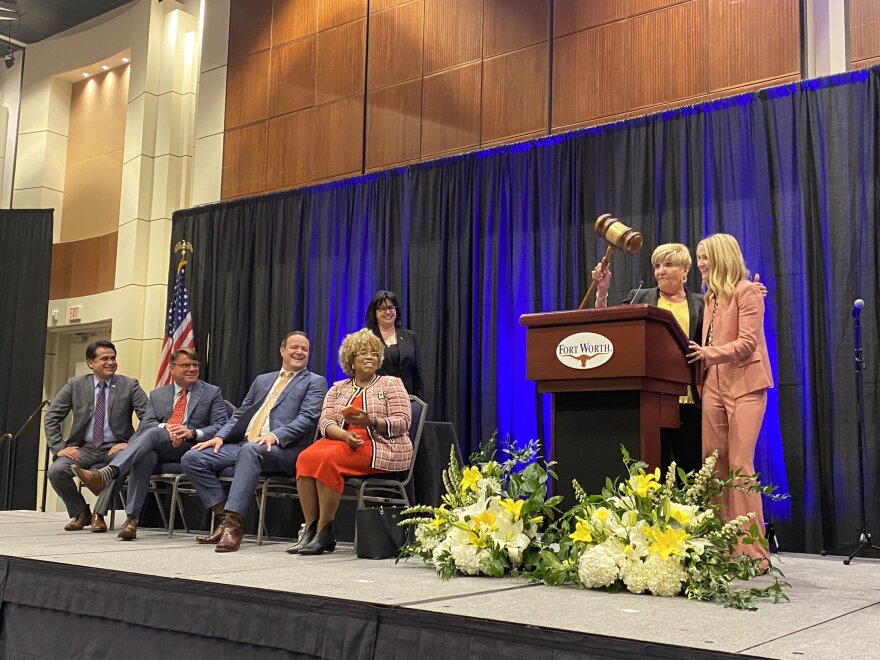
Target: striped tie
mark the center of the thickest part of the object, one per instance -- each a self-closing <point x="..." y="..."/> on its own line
<point x="98" y="419"/>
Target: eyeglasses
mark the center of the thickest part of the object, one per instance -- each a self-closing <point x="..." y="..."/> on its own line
<point x="364" y="354"/>
<point x="186" y="366"/>
<point x="386" y="308"/>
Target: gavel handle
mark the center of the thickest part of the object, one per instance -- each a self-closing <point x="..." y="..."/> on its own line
<point x="605" y="259"/>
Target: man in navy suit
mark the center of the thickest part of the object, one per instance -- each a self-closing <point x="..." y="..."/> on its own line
<point x="276" y="420"/>
<point x="178" y="416"/>
<point x="102" y="403"/>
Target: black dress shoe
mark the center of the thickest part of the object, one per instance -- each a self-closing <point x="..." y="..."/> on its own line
<point x="307" y="538"/>
<point x="324" y="541"/>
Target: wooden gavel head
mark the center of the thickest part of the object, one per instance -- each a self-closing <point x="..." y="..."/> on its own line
<point x="618" y="234"/>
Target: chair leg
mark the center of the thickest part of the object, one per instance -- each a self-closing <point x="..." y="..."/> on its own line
<point x="182" y="513"/>
<point x="160" y="506"/>
<point x="173" y="511"/>
<point x="261" y="518"/>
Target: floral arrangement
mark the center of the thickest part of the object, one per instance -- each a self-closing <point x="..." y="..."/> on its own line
<point x="490" y="517"/>
<point x="662" y="537"/>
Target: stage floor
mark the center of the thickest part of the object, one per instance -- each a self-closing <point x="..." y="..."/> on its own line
<point x="834" y="610"/>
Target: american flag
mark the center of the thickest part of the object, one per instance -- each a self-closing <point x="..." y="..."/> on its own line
<point x="178" y="327"/>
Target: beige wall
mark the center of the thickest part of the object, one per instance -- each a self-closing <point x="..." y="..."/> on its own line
<point x="95" y="143"/>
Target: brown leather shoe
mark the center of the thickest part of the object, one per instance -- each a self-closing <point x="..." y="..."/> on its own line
<point x="79" y="522"/>
<point x="219" y="517"/>
<point x="98" y="524"/>
<point x="232" y="531"/>
<point x="90" y="478"/>
<point x="129" y="530"/>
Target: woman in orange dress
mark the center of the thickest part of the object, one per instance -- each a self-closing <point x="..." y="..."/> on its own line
<point x="364" y="424"/>
<point x="736" y="371"/>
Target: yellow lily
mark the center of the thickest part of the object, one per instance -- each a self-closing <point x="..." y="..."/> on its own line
<point x="469" y="478"/>
<point x="646" y="483"/>
<point x="667" y="541"/>
<point x="581" y="532"/>
<point x="512" y="507"/>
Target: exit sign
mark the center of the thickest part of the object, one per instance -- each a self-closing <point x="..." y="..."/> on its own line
<point x="74" y="313"/>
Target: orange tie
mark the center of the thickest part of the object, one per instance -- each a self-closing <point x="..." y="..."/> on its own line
<point x="179" y="411"/>
<point x="254" y="429"/>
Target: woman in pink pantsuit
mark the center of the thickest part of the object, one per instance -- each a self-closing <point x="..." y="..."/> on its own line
<point x="736" y="370"/>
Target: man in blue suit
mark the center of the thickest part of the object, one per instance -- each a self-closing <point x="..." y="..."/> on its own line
<point x="178" y="416"/>
<point x="276" y="420"/>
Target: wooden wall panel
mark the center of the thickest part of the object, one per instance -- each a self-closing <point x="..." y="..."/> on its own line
<point x="590" y="74"/>
<point x="576" y="15"/>
<point x="381" y="5"/>
<point x="247" y="90"/>
<point x="515" y="93"/>
<point x="340" y="127"/>
<point x="670" y="63"/>
<point x="451" y="110"/>
<point x="512" y="24"/>
<point x="336" y="12"/>
<point x="244" y="161"/>
<point x="250" y="27"/>
<point x="453" y="33"/>
<point x="340" y="62"/>
<point x="393" y="117"/>
<point x="396" y="45"/>
<point x="752" y="40"/>
<point x="290" y="160"/>
<point x="864" y="26"/>
<point x="292" y="83"/>
<point x="293" y="19"/>
<point x="84" y="267"/>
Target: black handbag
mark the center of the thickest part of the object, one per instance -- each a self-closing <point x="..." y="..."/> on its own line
<point x="378" y="534"/>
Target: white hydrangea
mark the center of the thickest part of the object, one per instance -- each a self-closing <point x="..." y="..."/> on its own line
<point x="490" y="484"/>
<point x="597" y="567"/>
<point x="662" y="577"/>
<point x="468" y="559"/>
<point x="427" y="538"/>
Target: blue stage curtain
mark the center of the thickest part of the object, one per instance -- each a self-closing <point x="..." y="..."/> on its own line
<point x="472" y="242"/>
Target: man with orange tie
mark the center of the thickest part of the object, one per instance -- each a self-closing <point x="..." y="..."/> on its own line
<point x="178" y="416"/>
<point x="275" y="422"/>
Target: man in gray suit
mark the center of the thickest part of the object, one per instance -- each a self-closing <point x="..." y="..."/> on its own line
<point x="102" y="404"/>
<point x="276" y="420"/>
<point x="178" y="416"/>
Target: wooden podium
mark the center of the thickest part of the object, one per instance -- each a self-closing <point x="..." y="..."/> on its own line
<point x="602" y="400"/>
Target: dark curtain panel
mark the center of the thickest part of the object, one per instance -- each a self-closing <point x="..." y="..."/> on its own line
<point x="472" y="242"/>
<point x="25" y="267"/>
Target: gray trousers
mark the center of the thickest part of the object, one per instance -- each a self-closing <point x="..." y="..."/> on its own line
<point x="203" y="469"/>
<point x="61" y="476"/>
<point x="137" y="461"/>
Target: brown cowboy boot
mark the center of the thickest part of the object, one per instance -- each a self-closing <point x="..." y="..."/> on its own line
<point x="219" y="517"/>
<point x="232" y="533"/>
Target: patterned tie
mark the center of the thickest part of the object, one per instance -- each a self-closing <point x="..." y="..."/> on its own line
<point x="179" y="411"/>
<point x="98" y="418"/>
<point x="256" y="425"/>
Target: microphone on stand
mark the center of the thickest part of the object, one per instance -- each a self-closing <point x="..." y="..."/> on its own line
<point x="628" y="301"/>
<point x="857" y="307"/>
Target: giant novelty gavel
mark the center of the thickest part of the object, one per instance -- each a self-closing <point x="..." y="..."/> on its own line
<point x="620" y="237"/>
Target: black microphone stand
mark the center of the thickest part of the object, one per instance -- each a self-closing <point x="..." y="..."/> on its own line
<point x="10" y="458"/>
<point x="864" y="542"/>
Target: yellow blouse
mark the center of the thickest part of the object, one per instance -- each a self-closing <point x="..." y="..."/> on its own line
<point x="682" y="314"/>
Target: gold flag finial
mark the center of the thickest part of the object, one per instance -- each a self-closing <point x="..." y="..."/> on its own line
<point x="183" y="247"/>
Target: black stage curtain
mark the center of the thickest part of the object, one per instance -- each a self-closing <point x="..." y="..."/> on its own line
<point x="471" y="242"/>
<point x="25" y="268"/>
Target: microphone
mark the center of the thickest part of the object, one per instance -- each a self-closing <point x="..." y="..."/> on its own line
<point x="857" y="308"/>
<point x="628" y="301"/>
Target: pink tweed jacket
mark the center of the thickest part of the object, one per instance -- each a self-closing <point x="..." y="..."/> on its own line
<point x="385" y="398"/>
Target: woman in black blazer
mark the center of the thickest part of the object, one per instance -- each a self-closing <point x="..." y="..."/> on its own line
<point x="401" y="350"/>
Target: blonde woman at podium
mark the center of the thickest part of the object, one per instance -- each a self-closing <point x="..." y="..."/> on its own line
<point x="671" y="263"/>
<point x="736" y="370"/>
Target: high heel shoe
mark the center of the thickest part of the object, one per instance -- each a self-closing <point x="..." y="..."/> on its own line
<point x="324" y="541"/>
<point x="307" y="537"/>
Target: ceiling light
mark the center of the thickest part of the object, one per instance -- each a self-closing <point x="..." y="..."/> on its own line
<point x="105" y="67"/>
<point x="125" y="59"/>
<point x="85" y="75"/>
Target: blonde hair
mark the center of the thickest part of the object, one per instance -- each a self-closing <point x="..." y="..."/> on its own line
<point x="362" y="340"/>
<point x="677" y="253"/>
<point x="728" y="267"/>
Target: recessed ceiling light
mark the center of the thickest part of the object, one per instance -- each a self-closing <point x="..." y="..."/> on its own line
<point x="85" y="75"/>
<point x="105" y="67"/>
<point x="125" y="59"/>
